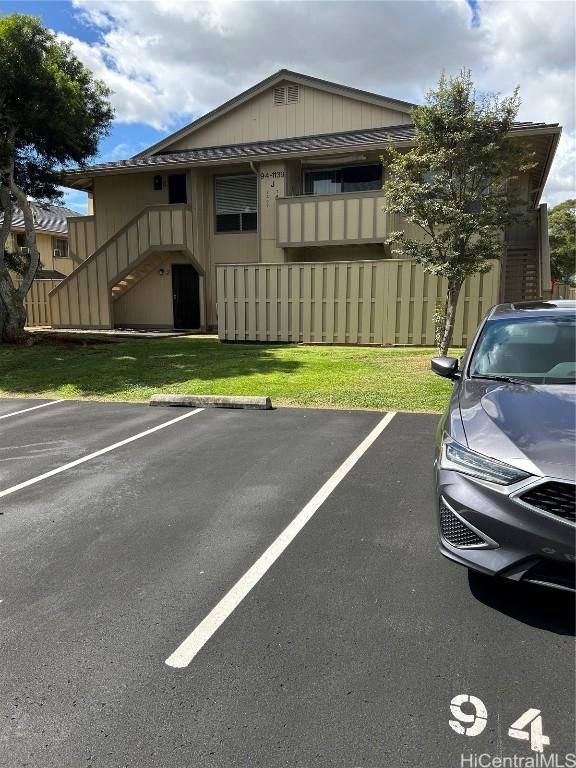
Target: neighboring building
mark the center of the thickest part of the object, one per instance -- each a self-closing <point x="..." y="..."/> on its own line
<point x="51" y="225"/>
<point x="286" y="173"/>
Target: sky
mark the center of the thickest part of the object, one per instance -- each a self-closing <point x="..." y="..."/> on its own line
<point x="170" y="61"/>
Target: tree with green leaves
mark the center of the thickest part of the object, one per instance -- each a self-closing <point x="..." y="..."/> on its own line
<point x="562" y="231"/>
<point x="456" y="183"/>
<point x="52" y="115"/>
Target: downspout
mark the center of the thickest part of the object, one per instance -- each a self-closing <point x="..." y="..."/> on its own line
<point x="544" y="252"/>
<point x="255" y="172"/>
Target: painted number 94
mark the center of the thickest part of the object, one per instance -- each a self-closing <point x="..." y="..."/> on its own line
<point x="528" y="727"/>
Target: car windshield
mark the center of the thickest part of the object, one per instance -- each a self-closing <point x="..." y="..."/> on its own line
<point x="535" y="350"/>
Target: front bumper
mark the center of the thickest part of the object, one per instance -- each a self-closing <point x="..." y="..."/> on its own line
<point x="486" y="527"/>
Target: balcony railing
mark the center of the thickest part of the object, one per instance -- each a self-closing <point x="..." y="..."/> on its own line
<point x="339" y="219"/>
<point x="82" y="237"/>
<point x="524" y="232"/>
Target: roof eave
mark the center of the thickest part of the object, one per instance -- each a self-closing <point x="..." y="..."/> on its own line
<point x="40" y="231"/>
<point x="81" y="179"/>
<point x="380" y="145"/>
<point x="550" y="128"/>
<point x="548" y="165"/>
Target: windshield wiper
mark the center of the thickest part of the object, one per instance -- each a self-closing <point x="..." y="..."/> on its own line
<point x="506" y="379"/>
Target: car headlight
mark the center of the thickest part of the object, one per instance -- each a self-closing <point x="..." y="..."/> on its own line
<point x="456" y="456"/>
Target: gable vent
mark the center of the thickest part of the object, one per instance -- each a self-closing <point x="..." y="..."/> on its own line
<point x="286" y="94"/>
<point x="292" y="94"/>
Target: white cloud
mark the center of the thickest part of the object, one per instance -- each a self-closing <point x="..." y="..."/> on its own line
<point x="119" y="152"/>
<point x="532" y="45"/>
<point x="166" y="59"/>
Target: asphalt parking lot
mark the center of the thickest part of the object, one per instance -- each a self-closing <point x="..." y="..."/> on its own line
<point x="133" y="536"/>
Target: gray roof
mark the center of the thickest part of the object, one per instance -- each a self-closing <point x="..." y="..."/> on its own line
<point x="376" y="137"/>
<point x="47" y="218"/>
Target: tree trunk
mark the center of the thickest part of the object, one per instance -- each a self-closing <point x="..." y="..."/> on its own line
<point x="454" y="287"/>
<point x="2" y="316"/>
<point x="12" y="312"/>
<point x="30" y="234"/>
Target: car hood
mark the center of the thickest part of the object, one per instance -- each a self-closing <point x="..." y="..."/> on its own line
<point x="530" y="427"/>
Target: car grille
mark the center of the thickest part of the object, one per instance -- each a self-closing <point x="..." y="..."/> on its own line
<point x="557" y="498"/>
<point x="455" y="532"/>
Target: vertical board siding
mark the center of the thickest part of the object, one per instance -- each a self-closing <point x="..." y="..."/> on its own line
<point x="315" y="112"/>
<point x="363" y="302"/>
<point x="81" y="237"/>
<point x="83" y="299"/>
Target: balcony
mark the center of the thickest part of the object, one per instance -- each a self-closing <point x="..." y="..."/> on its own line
<point x="340" y="219"/>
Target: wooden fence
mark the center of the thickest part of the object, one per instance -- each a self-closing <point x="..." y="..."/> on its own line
<point x="564" y="291"/>
<point x="367" y="302"/>
<point x="37" y="303"/>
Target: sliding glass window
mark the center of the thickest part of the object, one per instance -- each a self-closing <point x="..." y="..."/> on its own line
<point x="352" y="178"/>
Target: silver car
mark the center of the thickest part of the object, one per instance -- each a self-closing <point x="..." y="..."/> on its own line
<point x="506" y="447"/>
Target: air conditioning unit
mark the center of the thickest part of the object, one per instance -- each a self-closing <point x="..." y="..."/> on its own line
<point x="23" y="250"/>
<point x="57" y="253"/>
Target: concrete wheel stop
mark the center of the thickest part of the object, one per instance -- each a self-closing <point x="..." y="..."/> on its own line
<point x="212" y="401"/>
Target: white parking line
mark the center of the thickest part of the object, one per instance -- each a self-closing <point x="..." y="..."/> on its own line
<point x="91" y="456"/>
<point x="187" y="650"/>
<point x="34" y="408"/>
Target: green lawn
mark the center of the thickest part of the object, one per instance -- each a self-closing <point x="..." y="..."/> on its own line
<point x="342" y="377"/>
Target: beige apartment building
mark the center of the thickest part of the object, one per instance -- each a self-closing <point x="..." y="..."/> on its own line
<point x="264" y="219"/>
<point x="56" y="261"/>
<point x="51" y="225"/>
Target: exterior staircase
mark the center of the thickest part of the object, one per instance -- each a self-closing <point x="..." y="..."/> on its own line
<point x="521" y="276"/>
<point x="521" y="268"/>
<point x="84" y="299"/>
<point x="144" y="268"/>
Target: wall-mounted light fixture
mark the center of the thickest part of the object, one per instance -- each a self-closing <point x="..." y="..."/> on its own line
<point x="161" y="271"/>
<point x="157" y="182"/>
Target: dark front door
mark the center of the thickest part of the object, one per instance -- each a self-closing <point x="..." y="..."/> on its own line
<point x="177" y="189"/>
<point x="185" y="296"/>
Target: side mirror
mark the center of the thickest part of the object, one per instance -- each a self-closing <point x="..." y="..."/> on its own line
<point x="445" y="366"/>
